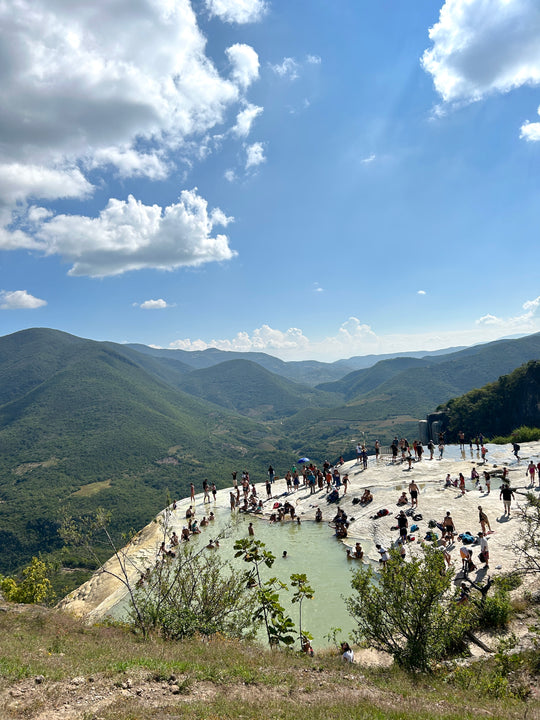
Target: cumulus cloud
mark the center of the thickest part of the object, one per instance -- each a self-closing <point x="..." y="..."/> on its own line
<point x="19" y="300"/>
<point x="263" y="339"/>
<point x="128" y="235"/>
<point x="237" y="11"/>
<point x="245" y="120"/>
<point x="229" y="175"/>
<point x="21" y="180"/>
<point x="530" y="131"/>
<point x="287" y="68"/>
<point x="421" y="292"/>
<point x="355" y="337"/>
<point x="523" y="322"/>
<point x="244" y="64"/>
<point x="254" y="155"/>
<point x="94" y="87"/>
<point x="313" y="59"/>
<point x="77" y="78"/>
<point x="484" y="46"/>
<point x="130" y="163"/>
<point x="154" y="305"/>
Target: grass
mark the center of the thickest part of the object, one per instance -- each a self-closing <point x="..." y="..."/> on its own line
<point x="219" y="678"/>
<point x="92" y="488"/>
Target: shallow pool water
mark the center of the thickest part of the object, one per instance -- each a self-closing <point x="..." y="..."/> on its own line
<point x="311" y="548"/>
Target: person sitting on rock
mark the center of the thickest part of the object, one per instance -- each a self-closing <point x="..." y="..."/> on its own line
<point x="366" y="498"/>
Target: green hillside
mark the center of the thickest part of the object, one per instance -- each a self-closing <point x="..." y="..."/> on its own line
<point x="395" y="405"/>
<point x="361" y="382"/>
<point x="249" y="389"/>
<point x="86" y="424"/>
<point x="308" y="372"/>
<point x="100" y="430"/>
<point x="499" y="407"/>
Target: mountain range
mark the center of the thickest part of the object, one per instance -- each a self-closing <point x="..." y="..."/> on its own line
<point x="86" y="424"/>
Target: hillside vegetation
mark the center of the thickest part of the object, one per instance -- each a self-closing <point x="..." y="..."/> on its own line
<point x="85" y="424"/>
<point x="53" y="666"/>
<point x="498" y="407"/>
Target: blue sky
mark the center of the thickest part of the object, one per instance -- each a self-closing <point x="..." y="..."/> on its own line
<point x="310" y="179"/>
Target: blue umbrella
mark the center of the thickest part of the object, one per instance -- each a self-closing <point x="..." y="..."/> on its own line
<point x="303" y="460"/>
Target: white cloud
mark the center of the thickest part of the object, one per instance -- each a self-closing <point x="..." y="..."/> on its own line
<point x="21" y="180"/>
<point x="229" y="175"/>
<point x="288" y="68"/>
<point x="484" y="46"/>
<point x="237" y="11"/>
<point x="244" y="64"/>
<point x="19" y="300"/>
<point x="530" y="131"/>
<point x="245" y="120"/>
<point x="313" y="59"/>
<point x="518" y="323"/>
<point x="254" y="155"/>
<point x="354" y="337"/>
<point x="421" y="292"/>
<point x="489" y="320"/>
<point x="263" y="339"/>
<point x="86" y="87"/>
<point x="128" y="235"/>
<point x="154" y="305"/>
<point x="130" y="163"/>
<point x="369" y="159"/>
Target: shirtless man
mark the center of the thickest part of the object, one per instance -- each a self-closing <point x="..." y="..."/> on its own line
<point x="413" y="489"/>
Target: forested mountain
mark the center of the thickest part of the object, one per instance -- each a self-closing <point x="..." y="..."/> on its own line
<point x="86" y="424"/>
<point x="249" y="389"/>
<point x="499" y="407"/>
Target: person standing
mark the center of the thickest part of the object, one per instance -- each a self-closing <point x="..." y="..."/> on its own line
<point x="506" y="495"/>
<point x="483" y="520"/>
<point x="403" y="524"/>
<point x="206" y="491"/>
<point x="192" y="493"/>
<point x="271" y="474"/>
<point x="532" y="472"/>
<point x="413" y="490"/>
<point x="377" y="449"/>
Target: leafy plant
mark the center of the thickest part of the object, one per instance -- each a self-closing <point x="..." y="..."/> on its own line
<point x="409" y="612"/>
<point x="278" y="625"/>
<point x="34" y="587"/>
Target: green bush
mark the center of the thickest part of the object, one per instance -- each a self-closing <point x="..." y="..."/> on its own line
<point x="496" y="610"/>
<point x="34" y="587"/>
<point x="410" y="611"/>
<point x="523" y="434"/>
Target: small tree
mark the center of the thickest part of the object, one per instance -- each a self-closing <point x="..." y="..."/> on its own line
<point x="527" y="544"/>
<point x="303" y="592"/>
<point x="34" y="587"/>
<point x="278" y="625"/>
<point x="410" y="612"/>
<point x="195" y="592"/>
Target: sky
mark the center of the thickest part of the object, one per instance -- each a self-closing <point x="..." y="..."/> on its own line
<point x="313" y="179"/>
